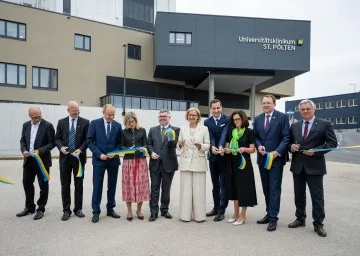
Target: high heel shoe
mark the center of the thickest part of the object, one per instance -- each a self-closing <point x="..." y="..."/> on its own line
<point x="129" y="218"/>
<point x="241" y="222"/>
<point x="231" y="220"/>
<point x="140" y="217"/>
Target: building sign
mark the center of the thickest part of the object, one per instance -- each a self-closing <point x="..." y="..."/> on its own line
<point x="273" y="44"/>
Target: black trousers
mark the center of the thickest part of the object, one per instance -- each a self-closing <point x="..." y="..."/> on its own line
<point x="70" y="166"/>
<point x="315" y="184"/>
<point x="218" y="175"/>
<point x="30" y="170"/>
<point x="160" y="178"/>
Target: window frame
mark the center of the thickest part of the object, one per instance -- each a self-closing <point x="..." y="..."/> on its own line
<point x="18" y="24"/>
<point x="329" y="105"/>
<point x="354" y="103"/>
<point x="353" y="120"/>
<point x="134" y="47"/>
<point x="83" y="37"/>
<point x="39" y="79"/>
<point x="337" y="121"/>
<point x="339" y="104"/>
<point x="176" y="33"/>
<point x="17" y="85"/>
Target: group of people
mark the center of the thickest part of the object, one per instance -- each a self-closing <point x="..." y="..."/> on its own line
<point x="221" y="143"/>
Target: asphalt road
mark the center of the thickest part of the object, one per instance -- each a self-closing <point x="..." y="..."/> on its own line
<point x="346" y="138"/>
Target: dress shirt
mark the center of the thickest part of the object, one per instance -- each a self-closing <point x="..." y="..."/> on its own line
<point x="34" y="130"/>
<point x="70" y="123"/>
<point x="311" y="121"/>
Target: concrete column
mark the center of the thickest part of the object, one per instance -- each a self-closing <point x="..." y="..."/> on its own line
<point x="211" y="89"/>
<point x="252" y="102"/>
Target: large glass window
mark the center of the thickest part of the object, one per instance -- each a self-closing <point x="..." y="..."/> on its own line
<point x="12" y="74"/>
<point x="82" y="42"/>
<point x="11" y="29"/>
<point x="145" y="103"/>
<point x="45" y="78"/>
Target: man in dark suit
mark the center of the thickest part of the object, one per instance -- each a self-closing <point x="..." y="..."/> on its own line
<point x="71" y="135"/>
<point x="103" y="137"/>
<point x="37" y="136"/>
<point x="271" y="131"/>
<point x="163" y="164"/>
<point x="310" y="167"/>
<point x="218" y="125"/>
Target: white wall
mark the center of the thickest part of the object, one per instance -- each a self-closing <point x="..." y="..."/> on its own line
<point x="15" y="114"/>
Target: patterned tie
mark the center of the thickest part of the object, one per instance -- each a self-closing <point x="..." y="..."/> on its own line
<point x="108" y="131"/>
<point x="72" y="137"/>
<point x="267" y="123"/>
<point x="306" y="129"/>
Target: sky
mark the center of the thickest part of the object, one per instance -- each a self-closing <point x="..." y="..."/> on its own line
<point x="335" y="38"/>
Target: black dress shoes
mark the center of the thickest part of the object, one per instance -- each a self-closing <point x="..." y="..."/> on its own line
<point x="153" y="217"/>
<point x="219" y="217"/>
<point x="321" y="232"/>
<point x="264" y="220"/>
<point x="213" y="212"/>
<point x="272" y="226"/>
<point x="65" y="216"/>
<point x="297" y="223"/>
<point x="166" y="215"/>
<point x="80" y="214"/>
<point x="113" y="214"/>
<point x="25" y="212"/>
<point x="95" y="218"/>
<point x="38" y="215"/>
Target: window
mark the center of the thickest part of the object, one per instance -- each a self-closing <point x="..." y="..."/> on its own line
<point x="352" y="103"/>
<point x="180" y="38"/>
<point x="329" y="104"/>
<point x="82" y="42"/>
<point x="134" y="52"/>
<point x="45" y="78"/>
<point x="341" y="104"/>
<point x="12" y="30"/>
<point x="341" y="120"/>
<point x="297" y="108"/>
<point x="12" y="75"/>
<point x="319" y="105"/>
<point x="145" y="103"/>
<point x="352" y="120"/>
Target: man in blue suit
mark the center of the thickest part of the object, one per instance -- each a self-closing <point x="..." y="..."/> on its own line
<point x="103" y="137"/>
<point x="218" y="128"/>
<point x="271" y="131"/>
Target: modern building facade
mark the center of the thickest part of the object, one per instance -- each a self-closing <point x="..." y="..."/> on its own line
<point x="187" y="60"/>
<point x="343" y="111"/>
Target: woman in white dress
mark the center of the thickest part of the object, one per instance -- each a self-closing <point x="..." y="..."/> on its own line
<point x="193" y="142"/>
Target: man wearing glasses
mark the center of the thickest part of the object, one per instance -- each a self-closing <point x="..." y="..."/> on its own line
<point x="163" y="164"/>
<point x="37" y="136"/>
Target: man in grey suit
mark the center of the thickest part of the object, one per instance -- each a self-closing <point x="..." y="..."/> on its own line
<point x="163" y="164"/>
<point x="309" y="167"/>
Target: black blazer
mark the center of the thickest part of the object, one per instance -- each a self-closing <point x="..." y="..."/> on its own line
<point x="62" y="137"/>
<point x="166" y="149"/>
<point x="321" y="135"/>
<point x="136" y="138"/>
<point x="44" y="141"/>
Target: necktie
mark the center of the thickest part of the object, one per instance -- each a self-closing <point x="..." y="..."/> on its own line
<point x="72" y="137"/>
<point x="216" y="121"/>
<point x="267" y="123"/>
<point x="108" y="130"/>
<point x="306" y="129"/>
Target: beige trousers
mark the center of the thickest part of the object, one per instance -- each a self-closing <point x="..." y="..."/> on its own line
<point x="192" y="196"/>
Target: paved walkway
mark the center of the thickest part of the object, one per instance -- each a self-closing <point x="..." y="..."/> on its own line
<point x="51" y="236"/>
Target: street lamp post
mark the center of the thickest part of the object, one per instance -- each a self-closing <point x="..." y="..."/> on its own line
<point x="124" y="81"/>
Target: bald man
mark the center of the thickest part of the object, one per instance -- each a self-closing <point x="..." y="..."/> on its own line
<point x="71" y="135"/>
<point x="37" y="136"/>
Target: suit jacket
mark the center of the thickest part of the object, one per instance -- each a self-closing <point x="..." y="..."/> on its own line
<point x="99" y="144"/>
<point x="321" y="135"/>
<point x="193" y="159"/>
<point x="276" y="139"/>
<point x="164" y="148"/>
<point x="44" y="141"/>
<point x="217" y="133"/>
<point x="62" y="137"/>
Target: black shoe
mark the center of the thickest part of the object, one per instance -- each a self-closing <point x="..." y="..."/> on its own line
<point x="264" y="220"/>
<point x="95" y="218"/>
<point x="297" y="223"/>
<point x="153" y="217"/>
<point x="219" y="217"/>
<point x="113" y="214"/>
<point x="25" y="212"/>
<point x="213" y="212"/>
<point x="166" y="215"/>
<point x="80" y="214"/>
<point x="38" y="215"/>
<point x="272" y="226"/>
<point x="321" y="232"/>
<point x="65" y="216"/>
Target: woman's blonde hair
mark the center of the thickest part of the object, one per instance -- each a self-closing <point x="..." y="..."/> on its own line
<point x="128" y="116"/>
<point x="197" y="113"/>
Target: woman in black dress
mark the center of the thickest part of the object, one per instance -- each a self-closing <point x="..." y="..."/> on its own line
<point x="240" y="185"/>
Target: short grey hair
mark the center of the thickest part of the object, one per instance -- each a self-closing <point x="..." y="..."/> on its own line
<point x="106" y="106"/>
<point x="307" y="101"/>
<point x="164" y="110"/>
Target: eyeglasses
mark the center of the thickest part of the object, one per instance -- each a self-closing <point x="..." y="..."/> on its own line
<point x="236" y="119"/>
<point x="35" y="117"/>
<point x="163" y="116"/>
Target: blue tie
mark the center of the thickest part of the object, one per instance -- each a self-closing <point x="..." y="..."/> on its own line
<point x="108" y="131"/>
<point x="72" y="137"/>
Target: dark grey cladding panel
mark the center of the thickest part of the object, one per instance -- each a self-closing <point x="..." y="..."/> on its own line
<point x="215" y="42"/>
